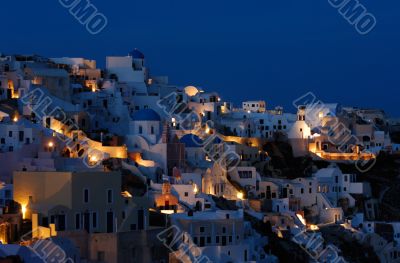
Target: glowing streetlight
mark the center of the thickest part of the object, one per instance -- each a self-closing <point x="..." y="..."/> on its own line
<point x="93" y="159"/>
<point x="240" y="195"/>
<point x="23" y="210"/>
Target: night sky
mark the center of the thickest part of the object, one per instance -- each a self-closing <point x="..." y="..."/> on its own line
<point x="245" y="50"/>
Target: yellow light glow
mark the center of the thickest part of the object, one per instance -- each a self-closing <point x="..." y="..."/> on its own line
<point x="321" y="114"/>
<point x="93" y="88"/>
<point x="167" y="212"/>
<point x="314" y="227"/>
<point x="15" y="119"/>
<point x="240" y="195"/>
<point x="93" y="159"/>
<point x="51" y="144"/>
<point x="23" y="209"/>
<point x="126" y="194"/>
<point x="301" y="218"/>
<point x="195" y="190"/>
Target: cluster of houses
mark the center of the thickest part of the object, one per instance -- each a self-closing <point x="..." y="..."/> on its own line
<point x="109" y="165"/>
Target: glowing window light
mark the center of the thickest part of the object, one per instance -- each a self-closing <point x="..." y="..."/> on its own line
<point x="23" y="210"/>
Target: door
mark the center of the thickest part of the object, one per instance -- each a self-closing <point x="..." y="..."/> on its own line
<point x="224" y="240"/>
<point x="141" y="219"/>
<point x="60" y="222"/>
<point x="285" y="192"/>
<point x="268" y="193"/>
<point x="202" y="241"/>
<point x="110" y="222"/>
<point x="48" y="122"/>
<point x="86" y="221"/>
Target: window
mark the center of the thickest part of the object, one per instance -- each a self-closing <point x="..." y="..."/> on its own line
<point x="345" y="178"/>
<point x="3" y="141"/>
<point x="302" y="191"/>
<point x="21" y="136"/>
<point x="186" y="194"/>
<point x="152" y="130"/>
<point x="140" y="129"/>
<point x="217" y="239"/>
<point x="109" y="196"/>
<point x="86" y="196"/>
<point x="10" y="134"/>
<point x="202" y="229"/>
<point x="94" y="220"/>
<point x="245" y="174"/>
<point x="310" y="190"/>
<point x="208" y="240"/>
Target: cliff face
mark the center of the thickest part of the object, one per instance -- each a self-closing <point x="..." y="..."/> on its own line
<point x="284" y="163"/>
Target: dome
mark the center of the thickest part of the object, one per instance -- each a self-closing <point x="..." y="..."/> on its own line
<point x="136" y="54"/>
<point x="191" y="91"/>
<point x="192" y="141"/>
<point x="146" y="115"/>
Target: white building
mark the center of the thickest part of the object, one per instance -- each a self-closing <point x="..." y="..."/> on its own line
<point x="220" y="236"/>
<point x="254" y="106"/>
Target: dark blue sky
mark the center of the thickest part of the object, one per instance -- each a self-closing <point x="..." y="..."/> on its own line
<point x="254" y="49"/>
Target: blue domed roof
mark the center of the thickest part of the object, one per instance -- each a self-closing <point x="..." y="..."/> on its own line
<point x="136" y="54"/>
<point x="191" y="141"/>
<point x="146" y="115"/>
